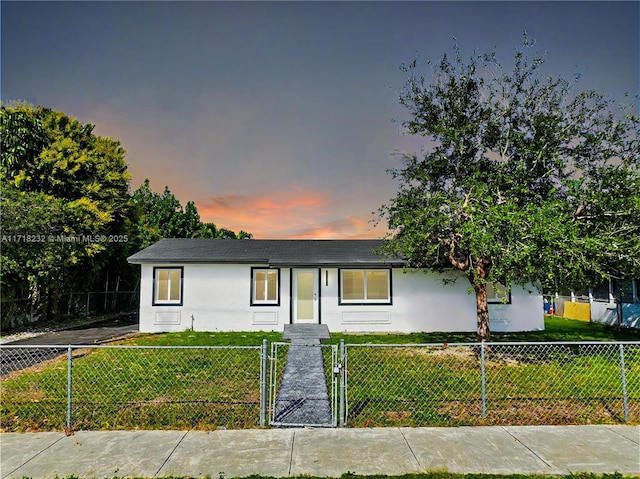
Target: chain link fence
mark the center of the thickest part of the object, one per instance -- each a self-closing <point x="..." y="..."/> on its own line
<point x="156" y="387"/>
<point x="135" y="387"/>
<point x="496" y="383"/>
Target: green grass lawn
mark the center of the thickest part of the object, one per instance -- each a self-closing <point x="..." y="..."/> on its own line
<point x="207" y="388"/>
<point x="125" y="388"/>
<point x="442" y="386"/>
<point x="412" y="387"/>
<point x="556" y="329"/>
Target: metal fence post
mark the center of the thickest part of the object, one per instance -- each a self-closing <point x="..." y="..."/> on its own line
<point x="624" y="384"/>
<point x="69" y="385"/>
<point x="343" y="384"/>
<point x="336" y="371"/>
<point x="484" y="382"/>
<point x="263" y="384"/>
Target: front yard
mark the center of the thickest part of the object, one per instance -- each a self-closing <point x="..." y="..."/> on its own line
<point x="159" y="386"/>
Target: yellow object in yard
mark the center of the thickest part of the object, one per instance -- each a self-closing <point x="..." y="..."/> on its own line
<point x="580" y="311"/>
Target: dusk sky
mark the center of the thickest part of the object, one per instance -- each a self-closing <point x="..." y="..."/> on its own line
<point x="277" y="117"/>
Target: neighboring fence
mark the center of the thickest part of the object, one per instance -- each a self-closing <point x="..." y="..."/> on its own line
<point x="17" y="312"/>
<point x="493" y="383"/>
<point x="597" y="310"/>
<point x="118" y="387"/>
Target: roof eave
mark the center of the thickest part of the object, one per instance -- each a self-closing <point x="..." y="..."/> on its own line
<point x="193" y="261"/>
<point x="352" y="264"/>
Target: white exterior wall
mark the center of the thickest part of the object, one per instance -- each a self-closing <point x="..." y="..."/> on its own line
<point x="422" y="302"/>
<point x="218" y="297"/>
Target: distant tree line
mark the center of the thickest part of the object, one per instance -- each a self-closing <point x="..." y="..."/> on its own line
<point x="162" y="216"/>
<point x="67" y="215"/>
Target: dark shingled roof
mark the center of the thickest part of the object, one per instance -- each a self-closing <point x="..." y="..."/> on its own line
<point x="269" y="252"/>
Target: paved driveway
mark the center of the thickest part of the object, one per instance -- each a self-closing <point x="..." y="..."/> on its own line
<point x="14" y="359"/>
<point x="92" y="333"/>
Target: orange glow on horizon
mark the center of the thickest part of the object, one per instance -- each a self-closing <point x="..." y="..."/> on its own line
<point x="292" y="214"/>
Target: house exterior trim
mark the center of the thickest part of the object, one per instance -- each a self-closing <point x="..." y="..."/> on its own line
<point x="214" y="294"/>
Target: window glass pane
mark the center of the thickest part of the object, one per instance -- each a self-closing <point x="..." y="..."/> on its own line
<point x="582" y="293"/>
<point x="496" y="292"/>
<point x="353" y="285"/>
<point x="272" y="286"/>
<point x="625" y="289"/>
<point x="601" y="292"/>
<point x="304" y="295"/>
<point x="564" y="292"/>
<point x="162" y="287"/>
<point x="491" y="294"/>
<point x="175" y="285"/>
<point x="378" y="285"/>
<point x="260" y="285"/>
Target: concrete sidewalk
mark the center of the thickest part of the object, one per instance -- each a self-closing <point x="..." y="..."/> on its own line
<point x="323" y="452"/>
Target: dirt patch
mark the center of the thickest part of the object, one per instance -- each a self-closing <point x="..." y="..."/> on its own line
<point x="440" y="352"/>
<point x="396" y="415"/>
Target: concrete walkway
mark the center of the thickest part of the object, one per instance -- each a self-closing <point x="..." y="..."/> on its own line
<point x="303" y="397"/>
<point x="323" y="452"/>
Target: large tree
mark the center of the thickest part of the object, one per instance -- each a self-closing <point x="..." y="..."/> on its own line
<point x="64" y="196"/>
<point x="68" y="221"/>
<point x="523" y="179"/>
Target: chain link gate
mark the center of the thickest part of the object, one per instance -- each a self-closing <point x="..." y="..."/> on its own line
<point x="303" y="385"/>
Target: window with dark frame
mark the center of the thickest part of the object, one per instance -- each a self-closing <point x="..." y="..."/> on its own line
<point x="167" y="286"/>
<point x="365" y="286"/>
<point x="265" y="286"/>
<point x="497" y="293"/>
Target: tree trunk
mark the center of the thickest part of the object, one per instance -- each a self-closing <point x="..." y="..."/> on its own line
<point x="482" y="311"/>
<point x="477" y="279"/>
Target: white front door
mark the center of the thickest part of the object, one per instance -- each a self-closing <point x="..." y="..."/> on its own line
<point x="305" y="296"/>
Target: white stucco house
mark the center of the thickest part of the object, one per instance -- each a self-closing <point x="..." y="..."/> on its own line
<point x="261" y="285"/>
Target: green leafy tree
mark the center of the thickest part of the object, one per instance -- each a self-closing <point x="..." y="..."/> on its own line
<point x="522" y="179"/>
<point x="68" y="220"/>
<point x="224" y="233"/>
<point x="245" y="235"/>
<point x="162" y="216"/>
<point x="65" y="192"/>
<point x="209" y="230"/>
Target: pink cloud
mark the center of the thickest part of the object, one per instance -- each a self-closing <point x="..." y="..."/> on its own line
<point x="293" y="213"/>
<point x="351" y="227"/>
